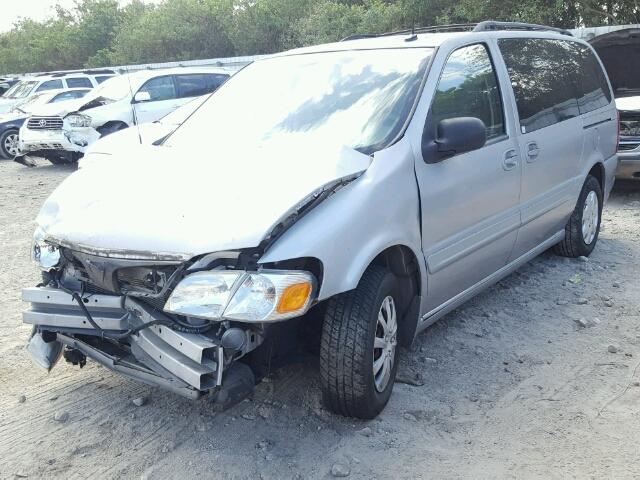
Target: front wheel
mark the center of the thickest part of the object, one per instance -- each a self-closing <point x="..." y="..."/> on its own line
<point x="358" y="352"/>
<point x="583" y="228"/>
<point x="9" y="144"/>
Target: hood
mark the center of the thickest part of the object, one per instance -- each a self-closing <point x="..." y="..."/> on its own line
<point x="12" y="117"/>
<point x="620" y="53"/>
<point x="6" y="104"/>
<point x="159" y="203"/>
<point x="628" y="104"/>
<point x="122" y="141"/>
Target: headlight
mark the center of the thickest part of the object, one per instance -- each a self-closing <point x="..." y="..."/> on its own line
<point x="78" y="121"/>
<point x="266" y="296"/>
<point x="45" y="254"/>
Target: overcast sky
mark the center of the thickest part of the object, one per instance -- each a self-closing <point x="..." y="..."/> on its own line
<point x="12" y="10"/>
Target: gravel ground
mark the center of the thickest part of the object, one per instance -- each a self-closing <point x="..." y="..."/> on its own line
<point x="535" y="378"/>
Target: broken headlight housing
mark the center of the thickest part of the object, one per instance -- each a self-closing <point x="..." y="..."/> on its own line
<point x="265" y="296"/>
<point x="77" y="120"/>
<point x="45" y="254"/>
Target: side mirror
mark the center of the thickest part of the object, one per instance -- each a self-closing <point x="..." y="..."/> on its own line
<point x="141" y="97"/>
<point x="453" y="136"/>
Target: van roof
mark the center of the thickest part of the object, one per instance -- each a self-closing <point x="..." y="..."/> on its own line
<point x="432" y="40"/>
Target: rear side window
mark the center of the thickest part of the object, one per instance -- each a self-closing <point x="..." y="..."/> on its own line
<point x="160" y="88"/>
<point x="103" y="78"/>
<point x="195" y="85"/>
<point x="468" y="87"/>
<point x="553" y="80"/>
<point x="595" y="92"/>
<point x="79" y="82"/>
<point x="50" y="85"/>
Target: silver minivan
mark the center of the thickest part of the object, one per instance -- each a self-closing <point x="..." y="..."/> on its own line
<point x="338" y="199"/>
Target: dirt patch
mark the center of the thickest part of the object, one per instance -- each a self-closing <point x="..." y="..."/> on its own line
<point x="536" y="377"/>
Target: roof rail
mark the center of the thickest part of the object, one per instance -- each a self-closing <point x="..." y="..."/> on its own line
<point x="58" y="74"/>
<point x="491" y="25"/>
<point x="454" y="27"/>
<point x="486" y="26"/>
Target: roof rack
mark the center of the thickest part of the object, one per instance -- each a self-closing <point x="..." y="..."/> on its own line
<point x="98" y="71"/>
<point x="454" y="27"/>
<point x="487" y="26"/>
<point x="491" y="25"/>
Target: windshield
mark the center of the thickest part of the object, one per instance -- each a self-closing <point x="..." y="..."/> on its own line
<point x="359" y="98"/>
<point x="114" y="89"/>
<point x="24" y="105"/>
<point x="20" y="89"/>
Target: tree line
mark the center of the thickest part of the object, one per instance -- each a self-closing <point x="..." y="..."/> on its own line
<point x="96" y="33"/>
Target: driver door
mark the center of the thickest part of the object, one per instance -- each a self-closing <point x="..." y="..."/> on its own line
<point x="162" y="99"/>
<point x="470" y="201"/>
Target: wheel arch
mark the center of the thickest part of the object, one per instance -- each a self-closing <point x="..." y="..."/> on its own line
<point x="404" y="264"/>
<point x="599" y="172"/>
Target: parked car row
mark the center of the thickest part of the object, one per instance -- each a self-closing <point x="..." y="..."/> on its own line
<point x="345" y="196"/>
<point x="44" y="115"/>
<point x="29" y="86"/>
<point x="123" y="101"/>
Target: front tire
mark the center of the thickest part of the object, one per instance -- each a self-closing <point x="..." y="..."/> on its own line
<point x="583" y="228"/>
<point x="358" y="353"/>
<point x="9" y="147"/>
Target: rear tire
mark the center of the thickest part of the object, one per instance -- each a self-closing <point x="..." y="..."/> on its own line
<point x="355" y="345"/>
<point x="583" y="228"/>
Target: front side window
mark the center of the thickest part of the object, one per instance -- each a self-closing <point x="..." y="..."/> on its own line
<point x="79" y="82"/>
<point x="160" y="88"/>
<point x="468" y="87"/>
<point x="358" y="98"/>
<point x="544" y="78"/>
<point x="50" y="85"/>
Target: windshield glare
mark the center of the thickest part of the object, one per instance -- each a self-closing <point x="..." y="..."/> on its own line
<point x="20" y="89"/>
<point x="114" y="89"/>
<point x="32" y="100"/>
<point x="357" y="98"/>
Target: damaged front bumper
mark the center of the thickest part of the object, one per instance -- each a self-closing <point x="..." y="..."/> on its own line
<point x="185" y="363"/>
<point x="75" y="140"/>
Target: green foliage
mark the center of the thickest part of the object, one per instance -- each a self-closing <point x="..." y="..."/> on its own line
<point x="102" y="32"/>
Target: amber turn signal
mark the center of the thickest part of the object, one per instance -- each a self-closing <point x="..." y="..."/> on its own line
<point x="294" y="297"/>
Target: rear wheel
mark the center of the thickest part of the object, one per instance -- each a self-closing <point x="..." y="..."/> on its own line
<point x="9" y="146"/>
<point x="583" y="228"/>
<point x="358" y="353"/>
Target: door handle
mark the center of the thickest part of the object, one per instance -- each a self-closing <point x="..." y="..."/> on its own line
<point x="510" y="160"/>
<point x="532" y="151"/>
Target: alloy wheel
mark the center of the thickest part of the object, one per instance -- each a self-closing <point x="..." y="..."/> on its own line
<point x="385" y="341"/>
<point x="590" y="214"/>
<point x="11" y="144"/>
